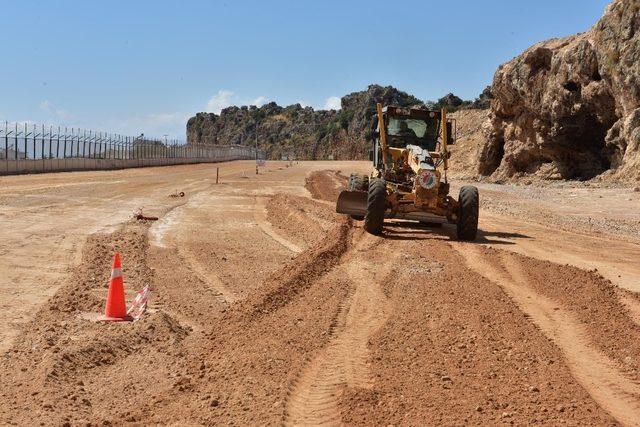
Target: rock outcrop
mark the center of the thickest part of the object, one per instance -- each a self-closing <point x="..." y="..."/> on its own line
<point x="297" y="131"/>
<point x="281" y="131"/>
<point x="570" y="108"/>
<point x="482" y="102"/>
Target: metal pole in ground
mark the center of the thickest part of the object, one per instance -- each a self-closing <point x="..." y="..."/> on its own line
<point x="6" y="141"/>
<point x="26" y="149"/>
<point x="256" y="148"/>
<point x="217" y="174"/>
<point x="58" y="144"/>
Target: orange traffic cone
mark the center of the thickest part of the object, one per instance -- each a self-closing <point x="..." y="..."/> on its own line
<point x="116" y="309"/>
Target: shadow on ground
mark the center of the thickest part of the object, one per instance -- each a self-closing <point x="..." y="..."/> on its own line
<point x="407" y="230"/>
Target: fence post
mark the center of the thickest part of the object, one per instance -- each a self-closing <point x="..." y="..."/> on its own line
<point x="41" y="144"/>
<point x="64" y="147"/>
<point x="50" y="136"/>
<point x="6" y="140"/>
<point x="26" y="149"/>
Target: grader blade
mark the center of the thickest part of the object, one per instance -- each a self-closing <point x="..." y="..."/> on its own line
<point x="352" y="203"/>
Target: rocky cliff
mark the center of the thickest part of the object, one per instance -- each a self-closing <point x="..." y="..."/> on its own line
<point x="279" y="130"/>
<point x="302" y="131"/>
<point x="570" y="108"/>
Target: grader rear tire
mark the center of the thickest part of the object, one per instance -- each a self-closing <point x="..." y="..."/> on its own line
<point x="376" y="205"/>
<point x="469" y="204"/>
<point x="358" y="182"/>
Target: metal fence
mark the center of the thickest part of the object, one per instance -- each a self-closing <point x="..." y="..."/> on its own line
<point x="28" y="148"/>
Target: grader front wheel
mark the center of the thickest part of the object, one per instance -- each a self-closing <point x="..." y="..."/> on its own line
<point x="469" y="204"/>
<point x="376" y="205"/>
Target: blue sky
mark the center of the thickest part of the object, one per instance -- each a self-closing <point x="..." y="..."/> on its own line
<point x="146" y="66"/>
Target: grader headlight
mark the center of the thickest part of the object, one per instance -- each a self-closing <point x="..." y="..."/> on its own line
<point x="428" y="179"/>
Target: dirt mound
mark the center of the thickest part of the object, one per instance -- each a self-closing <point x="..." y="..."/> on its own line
<point x="308" y="266"/>
<point x="570" y="108"/>
<point x="302" y="220"/>
<point x="241" y="364"/>
<point x="64" y="363"/>
<point x="326" y="185"/>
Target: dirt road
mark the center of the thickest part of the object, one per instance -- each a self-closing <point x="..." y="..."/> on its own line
<point x="268" y="308"/>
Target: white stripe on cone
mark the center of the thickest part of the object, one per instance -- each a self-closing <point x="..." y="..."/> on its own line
<point x="116" y="272"/>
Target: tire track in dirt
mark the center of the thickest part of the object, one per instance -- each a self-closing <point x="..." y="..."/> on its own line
<point x="344" y="362"/>
<point x="158" y="237"/>
<point x="598" y="374"/>
<point x="260" y="216"/>
<point x="210" y="279"/>
<point x="631" y="303"/>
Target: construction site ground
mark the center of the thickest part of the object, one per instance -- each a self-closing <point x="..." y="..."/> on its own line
<point x="269" y="308"/>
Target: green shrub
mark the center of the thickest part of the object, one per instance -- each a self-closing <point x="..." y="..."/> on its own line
<point x="344" y="117"/>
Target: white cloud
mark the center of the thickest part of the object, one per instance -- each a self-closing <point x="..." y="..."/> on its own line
<point x="332" y="103"/>
<point x="259" y="101"/>
<point x="226" y="98"/>
<point x="219" y="101"/>
<point x="54" y="110"/>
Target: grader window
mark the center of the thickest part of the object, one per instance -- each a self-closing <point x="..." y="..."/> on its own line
<point x="422" y="132"/>
<point x="399" y="127"/>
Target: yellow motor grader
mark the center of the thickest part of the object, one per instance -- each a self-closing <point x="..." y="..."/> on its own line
<point x="410" y="156"/>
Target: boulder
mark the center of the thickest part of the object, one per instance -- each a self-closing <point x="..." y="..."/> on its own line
<point x="568" y="108"/>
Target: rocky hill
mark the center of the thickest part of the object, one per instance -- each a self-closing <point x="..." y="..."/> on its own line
<point x="570" y="108"/>
<point x="302" y="131"/>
